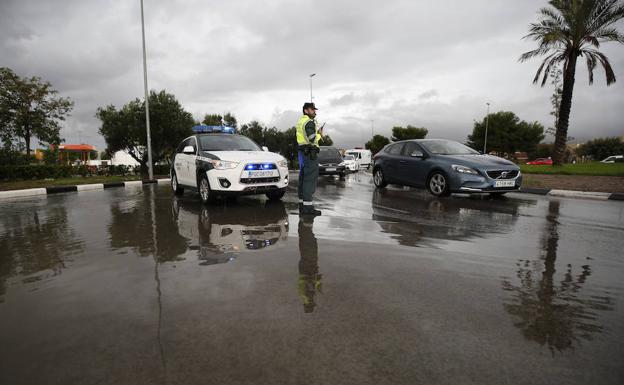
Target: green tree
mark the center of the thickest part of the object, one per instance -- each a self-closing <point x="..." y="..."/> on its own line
<point x="601" y="148"/>
<point x="566" y="30"/>
<point x="409" y="132"/>
<point x="124" y="129"/>
<point x="212" y="120"/>
<point x="30" y="108"/>
<point x="506" y="134"/>
<point x="377" y="143"/>
<point x="230" y="120"/>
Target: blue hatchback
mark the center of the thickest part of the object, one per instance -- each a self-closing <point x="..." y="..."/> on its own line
<point x="444" y="167"/>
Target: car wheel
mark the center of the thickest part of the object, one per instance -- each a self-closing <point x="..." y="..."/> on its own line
<point x="177" y="190"/>
<point x="207" y="196"/>
<point x="379" y="179"/>
<point x="276" y="195"/>
<point x="438" y="184"/>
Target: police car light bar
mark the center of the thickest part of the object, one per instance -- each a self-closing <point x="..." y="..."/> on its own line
<point x="203" y="128"/>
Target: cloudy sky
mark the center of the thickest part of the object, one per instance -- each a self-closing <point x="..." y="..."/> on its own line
<point x="378" y="63"/>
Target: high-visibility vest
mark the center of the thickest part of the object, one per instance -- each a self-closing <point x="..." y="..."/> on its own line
<point x="302" y="138"/>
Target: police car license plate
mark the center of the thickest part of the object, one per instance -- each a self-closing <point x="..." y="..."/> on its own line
<point x="504" y="183"/>
<point x="262" y="174"/>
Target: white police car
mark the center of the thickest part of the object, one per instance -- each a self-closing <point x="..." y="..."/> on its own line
<point x="217" y="162"/>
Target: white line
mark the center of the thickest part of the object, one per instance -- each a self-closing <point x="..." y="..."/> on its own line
<point x="580" y="194"/>
<point x="22" y="193"/>
<point x="90" y="187"/>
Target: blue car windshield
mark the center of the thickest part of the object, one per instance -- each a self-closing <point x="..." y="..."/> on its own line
<point x="447" y="147"/>
<point x="227" y="142"/>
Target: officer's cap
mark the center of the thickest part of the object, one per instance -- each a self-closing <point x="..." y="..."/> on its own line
<point x="309" y="105"/>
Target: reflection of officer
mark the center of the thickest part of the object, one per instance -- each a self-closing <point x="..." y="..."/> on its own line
<point x="308" y="136"/>
<point x="309" y="277"/>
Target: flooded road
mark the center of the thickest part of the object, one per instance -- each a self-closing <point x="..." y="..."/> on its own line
<point x="136" y="286"/>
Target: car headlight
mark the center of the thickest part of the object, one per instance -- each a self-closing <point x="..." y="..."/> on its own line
<point x="282" y="163"/>
<point x="223" y="164"/>
<point x="464" y="169"/>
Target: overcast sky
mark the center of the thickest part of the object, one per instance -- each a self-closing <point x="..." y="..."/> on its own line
<point x="430" y="64"/>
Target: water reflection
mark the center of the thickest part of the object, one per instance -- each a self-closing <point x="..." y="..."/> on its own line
<point x="309" y="278"/>
<point x="36" y="240"/>
<point x="218" y="232"/>
<point x="552" y="313"/>
<point x="415" y="219"/>
<point x="132" y="226"/>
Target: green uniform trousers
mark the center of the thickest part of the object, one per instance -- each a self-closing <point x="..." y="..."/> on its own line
<point x="308" y="174"/>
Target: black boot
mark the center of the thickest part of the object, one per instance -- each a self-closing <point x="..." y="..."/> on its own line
<point x="310" y="210"/>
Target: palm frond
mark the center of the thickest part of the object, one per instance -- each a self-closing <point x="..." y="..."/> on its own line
<point x="604" y="61"/>
<point x="591" y="65"/>
<point x="609" y="34"/>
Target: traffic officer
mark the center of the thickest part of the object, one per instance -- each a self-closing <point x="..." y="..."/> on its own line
<point x="308" y="136"/>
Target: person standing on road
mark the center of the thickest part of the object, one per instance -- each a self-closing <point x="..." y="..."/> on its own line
<point x="308" y="136"/>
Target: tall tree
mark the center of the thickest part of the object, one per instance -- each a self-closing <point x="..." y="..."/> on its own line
<point x="124" y="129"/>
<point x="30" y="108"/>
<point x="506" y="134"/>
<point x="377" y="143"/>
<point x="212" y="120"/>
<point x="566" y="30"/>
<point x="409" y="132"/>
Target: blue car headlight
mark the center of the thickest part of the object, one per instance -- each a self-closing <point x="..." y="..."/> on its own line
<point x="464" y="169"/>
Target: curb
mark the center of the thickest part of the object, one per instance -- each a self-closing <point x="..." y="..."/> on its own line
<point x="76" y="188"/>
<point x="573" y="194"/>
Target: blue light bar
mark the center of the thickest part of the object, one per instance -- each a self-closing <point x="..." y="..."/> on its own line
<point x="205" y="129"/>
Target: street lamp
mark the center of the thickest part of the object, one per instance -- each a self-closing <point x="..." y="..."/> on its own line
<point x="311" y="98"/>
<point x="487" y="118"/>
<point x="147" y="121"/>
<point x="372" y="128"/>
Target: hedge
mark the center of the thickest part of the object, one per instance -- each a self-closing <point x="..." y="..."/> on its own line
<point x="48" y="171"/>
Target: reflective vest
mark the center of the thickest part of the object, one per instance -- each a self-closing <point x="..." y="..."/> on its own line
<point x="302" y="138"/>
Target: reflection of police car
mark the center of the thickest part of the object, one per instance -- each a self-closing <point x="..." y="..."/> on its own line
<point x="215" y="161"/>
<point x="217" y="231"/>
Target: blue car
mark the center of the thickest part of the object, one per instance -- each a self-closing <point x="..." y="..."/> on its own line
<point x="444" y="167"/>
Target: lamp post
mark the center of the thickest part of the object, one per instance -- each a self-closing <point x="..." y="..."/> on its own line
<point x="311" y="97"/>
<point x="147" y="121"/>
<point x="487" y="118"/>
<point x="372" y="128"/>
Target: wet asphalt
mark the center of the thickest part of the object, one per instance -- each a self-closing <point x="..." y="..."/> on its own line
<point x="136" y="286"/>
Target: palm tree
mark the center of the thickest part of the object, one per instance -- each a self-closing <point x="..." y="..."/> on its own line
<point x="566" y="30"/>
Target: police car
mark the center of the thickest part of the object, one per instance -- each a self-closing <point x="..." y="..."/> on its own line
<point x="215" y="161"/>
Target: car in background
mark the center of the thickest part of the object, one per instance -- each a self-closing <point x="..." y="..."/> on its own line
<point x="350" y="163"/>
<point x="444" y="167"/>
<point x="330" y="162"/>
<point x="364" y="157"/>
<point x="613" y="159"/>
<point x="217" y="162"/>
<point x="541" y="161"/>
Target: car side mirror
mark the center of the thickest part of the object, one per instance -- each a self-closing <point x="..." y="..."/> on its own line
<point x="188" y="150"/>
<point x="265" y="148"/>
<point x="417" y="154"/>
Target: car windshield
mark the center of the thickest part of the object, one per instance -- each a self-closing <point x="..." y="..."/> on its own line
<point x="329" y="154"/>
<point x="227" y="143"/>
<point x="447" y="147"/>
<point x="349" y="157"/>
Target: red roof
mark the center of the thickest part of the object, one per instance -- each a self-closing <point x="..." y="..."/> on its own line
<point x="77" y="147"/>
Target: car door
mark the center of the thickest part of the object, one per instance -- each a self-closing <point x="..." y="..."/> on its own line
<point x="192" y="164"/>
<point x="413" y="165"/>
<point x="393" y="162"/>
<point x="179" y="163"/>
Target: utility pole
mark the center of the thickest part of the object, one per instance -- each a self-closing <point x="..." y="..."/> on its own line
<point x="147" y="121"/>
<point x="311" y="97"/>
<point x="372" y="128"/>
<point x="487" y="118"/>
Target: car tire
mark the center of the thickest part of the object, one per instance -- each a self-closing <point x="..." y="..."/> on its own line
<point x="276" y="195"/>
<point x="175" y="186"/>
<point x="438" y="184"/>
<point x="203" y="187"/>
<point x="378" y="178"/>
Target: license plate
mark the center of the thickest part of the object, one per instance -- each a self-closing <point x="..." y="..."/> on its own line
<point x="505" y="183"/>
<point x="330" y="169"/>
<point x="262" y="174"/>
